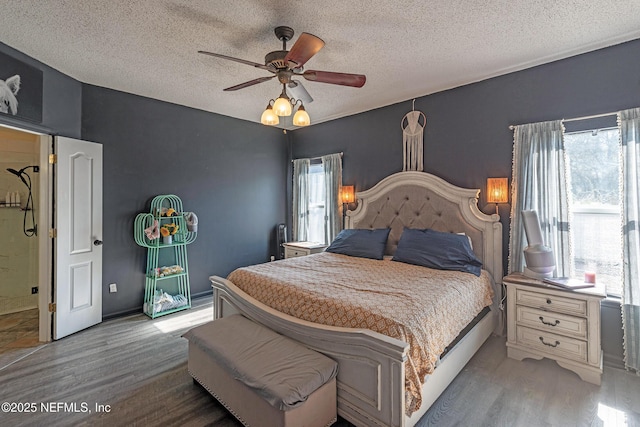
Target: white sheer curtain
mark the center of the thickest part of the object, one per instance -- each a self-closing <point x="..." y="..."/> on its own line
<point x="539" y="183"/>
<point x="629" y="123"/>
<point x="300" y="215"/>
<point x="332" y="165"/>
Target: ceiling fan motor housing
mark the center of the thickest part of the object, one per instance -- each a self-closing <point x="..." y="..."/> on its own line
<point x="275" y="59"/>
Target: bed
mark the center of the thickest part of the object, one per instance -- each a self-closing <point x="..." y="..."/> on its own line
<point x="371" y="381"/>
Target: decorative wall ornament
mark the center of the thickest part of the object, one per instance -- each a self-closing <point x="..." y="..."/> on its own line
<point x="412" y="140"/>
<point x="20" y="89"/>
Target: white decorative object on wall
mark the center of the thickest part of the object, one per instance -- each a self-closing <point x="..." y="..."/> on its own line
<point x="412" y="140"/>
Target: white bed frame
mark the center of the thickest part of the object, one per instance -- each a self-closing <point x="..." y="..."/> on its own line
<point x="371" y="381"/>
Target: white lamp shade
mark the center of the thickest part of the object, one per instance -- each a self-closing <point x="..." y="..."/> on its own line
<point x="301" y="118"/>
<point x="282" y="107"/>
<point x="269" y="117"/>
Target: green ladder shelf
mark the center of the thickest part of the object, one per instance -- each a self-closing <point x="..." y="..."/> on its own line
<point x="155" y="284"/>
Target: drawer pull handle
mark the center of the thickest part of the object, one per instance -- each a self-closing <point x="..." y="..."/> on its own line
<point x="557" y="322"/>
<point x="548" y="300"/>
<point x="550" y="345"/>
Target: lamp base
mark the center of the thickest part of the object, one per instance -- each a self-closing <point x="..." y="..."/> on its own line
<point x="535" y="275"/>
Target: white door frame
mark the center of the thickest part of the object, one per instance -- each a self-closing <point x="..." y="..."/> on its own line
<point x="45" y="243"/>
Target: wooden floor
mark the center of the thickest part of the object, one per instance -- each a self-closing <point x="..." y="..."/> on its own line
<point x="18" y="335"/>
<point x="133" y="371"/>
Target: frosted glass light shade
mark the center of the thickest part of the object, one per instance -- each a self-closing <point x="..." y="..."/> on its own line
<point x="282" y="107"/>
<point x="269" y="118"/>
<point x="301" y="118"/>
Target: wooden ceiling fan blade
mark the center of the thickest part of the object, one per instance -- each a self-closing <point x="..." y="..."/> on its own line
<point x="242" y="61"/>
<point x="299" y="92"/>
<point x="344" y="79"/>
<point x="249" y="83"/>
<point x="303" y="49"/>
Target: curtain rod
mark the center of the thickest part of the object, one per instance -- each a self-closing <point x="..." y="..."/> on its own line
<point x="319" y="157"/>
<point x="575" y="119"/>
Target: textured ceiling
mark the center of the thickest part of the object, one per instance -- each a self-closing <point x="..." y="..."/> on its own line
<point x="405" y="48"/>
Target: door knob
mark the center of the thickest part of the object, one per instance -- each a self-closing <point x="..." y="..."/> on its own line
<point x="97" y="242"/>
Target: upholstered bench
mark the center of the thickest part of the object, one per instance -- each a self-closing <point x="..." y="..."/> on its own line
<point x="263" y="378"/>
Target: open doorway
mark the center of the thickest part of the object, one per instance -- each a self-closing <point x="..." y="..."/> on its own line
<point x="69" y="290"/>
<point x="23" y="253"/>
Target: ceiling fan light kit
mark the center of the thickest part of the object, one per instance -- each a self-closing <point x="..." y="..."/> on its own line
<point x="282" y="105"/>
<point x="269" y="118"/>
<point x="301" y="118"/>
<point x="286" y="64"/>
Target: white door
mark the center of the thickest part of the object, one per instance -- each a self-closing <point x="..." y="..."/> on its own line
<point x="78" y="245"/>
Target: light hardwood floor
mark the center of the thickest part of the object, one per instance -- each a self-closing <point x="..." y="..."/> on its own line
<point x="136" y="369"/>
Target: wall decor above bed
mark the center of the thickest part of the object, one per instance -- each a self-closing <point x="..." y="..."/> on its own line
<point x="412" y="140"/>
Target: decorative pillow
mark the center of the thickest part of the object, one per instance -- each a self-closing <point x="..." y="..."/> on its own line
<point x="435" y="249"/>
<point x="468" y="237"/>
<point x="361" y="243"/>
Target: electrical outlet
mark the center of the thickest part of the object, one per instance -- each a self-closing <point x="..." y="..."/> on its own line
<point x="34" y="290"/>
<point x="113" y="288"/>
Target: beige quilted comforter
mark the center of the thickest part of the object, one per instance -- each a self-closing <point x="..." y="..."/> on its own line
<point x="423" y="307"/>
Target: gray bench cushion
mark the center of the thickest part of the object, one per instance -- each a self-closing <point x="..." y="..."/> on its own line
<point x="279" y="369"/>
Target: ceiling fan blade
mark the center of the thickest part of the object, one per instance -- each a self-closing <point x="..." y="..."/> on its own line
<point x="242" y="61"/>
<point x="299" y="92"/>
<point x="249" y="83"/>
<point x="303" y="49"/>
<point x="344" y="79"/>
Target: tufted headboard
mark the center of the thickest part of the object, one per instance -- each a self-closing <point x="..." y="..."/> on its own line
<point x="422" y="200"/>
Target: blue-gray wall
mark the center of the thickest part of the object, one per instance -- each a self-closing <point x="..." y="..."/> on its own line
<point x="467" y="137"/>
<point x="230" y="172"/>
<point x="235" y="174"/>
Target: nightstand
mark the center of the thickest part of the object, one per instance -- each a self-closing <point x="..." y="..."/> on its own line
<point x="294" y="249"/>
<point x="563" y="325"/>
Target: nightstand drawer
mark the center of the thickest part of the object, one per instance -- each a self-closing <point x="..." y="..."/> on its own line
<point x="292" y="253"/>
<point x="556" y="345"/>
<point x="551" y="302"/>
<point x="552" y="322"/>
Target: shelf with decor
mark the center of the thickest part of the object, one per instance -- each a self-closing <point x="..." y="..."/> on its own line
<point x="165" y="232"/>
<point x="10" y="206"/>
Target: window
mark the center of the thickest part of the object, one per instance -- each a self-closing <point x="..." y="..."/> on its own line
<point x="316" y="188"/>
<point x="317" y="215"/>
<point x="593" y="159"/>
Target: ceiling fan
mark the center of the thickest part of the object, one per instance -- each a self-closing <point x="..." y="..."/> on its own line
<point x="288" y="64"/>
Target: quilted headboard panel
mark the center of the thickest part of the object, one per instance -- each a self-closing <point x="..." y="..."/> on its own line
<point x="422" y="200"/>
<point x="411" y="206"/>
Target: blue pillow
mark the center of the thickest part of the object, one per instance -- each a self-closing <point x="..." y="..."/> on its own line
<point x="361" y="243"/>
<point x="435" y="249"/>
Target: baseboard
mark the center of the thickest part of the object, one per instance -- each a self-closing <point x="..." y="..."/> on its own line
<point x="613" y="361"/>
<point x="16" y="304"/>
